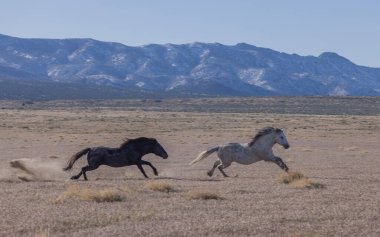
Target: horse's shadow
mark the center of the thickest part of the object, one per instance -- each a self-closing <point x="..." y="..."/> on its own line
<point x="120" y="178"/>
<point x="176" y="178"/>
<point x="191" y="179"/>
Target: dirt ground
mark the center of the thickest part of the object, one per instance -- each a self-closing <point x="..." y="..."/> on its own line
<point x="339" y="151"/>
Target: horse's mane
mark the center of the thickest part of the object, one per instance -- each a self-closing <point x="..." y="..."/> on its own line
<point x="128" y="141"/>
<point x="262" y="132"/>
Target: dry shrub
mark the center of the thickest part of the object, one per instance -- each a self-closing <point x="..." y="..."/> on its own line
<point x="306" y="183"/>
<point x="299" y="180"/>
<point x="127" y="190"/>
<point x="203" y="195"/>
<point x="160" y="186"/>
<point x="107" y="195"/>
<point x="104" y="195"/>
<point x="290" y="177"/>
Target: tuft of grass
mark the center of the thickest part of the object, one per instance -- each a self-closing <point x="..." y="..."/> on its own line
<point x="160" y="186"/>
<point x="202" y="195"/>
<point x="299" y="180"/>
<point x="290" y="177"/>
<point x="307" y="183"/>
<point x="107" y="195"/>
<point x="103" y="195"/>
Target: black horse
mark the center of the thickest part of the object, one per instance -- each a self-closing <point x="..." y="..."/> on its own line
<point x="129" y="153"/>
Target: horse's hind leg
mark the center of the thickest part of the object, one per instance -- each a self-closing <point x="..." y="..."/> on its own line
<point x="216" y="164"/>
<point x="221" y="167"/>
<point x="77" y="176"/>
<point x="88" y="168"/>
<point x="83" y="171"/>
<point x="224" y="164"/>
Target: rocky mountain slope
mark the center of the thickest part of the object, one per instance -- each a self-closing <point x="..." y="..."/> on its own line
<point x="197" y="69"/>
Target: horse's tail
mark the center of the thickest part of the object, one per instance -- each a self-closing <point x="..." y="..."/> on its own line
<point x="204" y="155"/>
<point x="75" y="158"/>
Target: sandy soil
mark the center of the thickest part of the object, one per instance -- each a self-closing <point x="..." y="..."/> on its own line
<point x="338" y="151"/>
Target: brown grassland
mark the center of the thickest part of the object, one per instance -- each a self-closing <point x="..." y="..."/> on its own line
<point x="335" y="192"/>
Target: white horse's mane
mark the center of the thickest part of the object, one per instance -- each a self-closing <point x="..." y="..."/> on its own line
<point x="262" y="132"/>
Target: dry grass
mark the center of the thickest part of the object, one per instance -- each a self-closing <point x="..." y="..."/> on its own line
<point x="104" y="195"/>
<point x="203" y="195"/>
<point x="299" y="180"/>
<point x="306" y="183"/>
<point x="347" y="207"/>
<point x="160" y="186"/>
<point x="290" y="177"/>
<point x="42" y="233"/>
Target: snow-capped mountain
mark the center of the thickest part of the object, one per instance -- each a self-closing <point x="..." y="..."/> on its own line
<point x="196" y="68"/>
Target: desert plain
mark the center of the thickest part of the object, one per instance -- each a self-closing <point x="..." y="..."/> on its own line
<point x="333" y="141"/>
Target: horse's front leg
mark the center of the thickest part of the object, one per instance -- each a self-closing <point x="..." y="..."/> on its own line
<point x="139" y="165"/>
<point x="151" y="166"/>
<point x="280" y="163"/>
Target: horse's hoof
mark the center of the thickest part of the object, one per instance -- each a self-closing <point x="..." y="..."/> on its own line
<point x="73" y="177"/>
<point x="209" y="174"/>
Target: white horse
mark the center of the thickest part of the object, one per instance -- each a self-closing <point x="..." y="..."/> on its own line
<point x="260" y="148"/>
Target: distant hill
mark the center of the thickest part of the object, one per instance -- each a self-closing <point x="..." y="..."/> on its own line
<point x="87" y="68"/>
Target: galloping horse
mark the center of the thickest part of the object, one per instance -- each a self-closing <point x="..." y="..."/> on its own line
<point x="129" y="153"/>
<point x="260" y="148"/>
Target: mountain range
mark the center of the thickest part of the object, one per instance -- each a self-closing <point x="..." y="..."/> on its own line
<point x="88" y="68"/>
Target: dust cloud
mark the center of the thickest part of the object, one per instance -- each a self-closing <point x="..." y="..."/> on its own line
<point x="33" y="170"/>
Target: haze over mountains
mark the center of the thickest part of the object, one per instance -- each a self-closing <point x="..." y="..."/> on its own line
<point x="87" y="68"/>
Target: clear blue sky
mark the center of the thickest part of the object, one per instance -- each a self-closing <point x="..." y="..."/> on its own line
<point x="306" y="27"/>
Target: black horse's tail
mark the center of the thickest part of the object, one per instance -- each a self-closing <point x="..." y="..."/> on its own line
<point x="76" y="157"/>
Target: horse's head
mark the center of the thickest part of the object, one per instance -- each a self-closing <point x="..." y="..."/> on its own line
<point x="280" y="138"/>
<point x="158" y="150"/>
